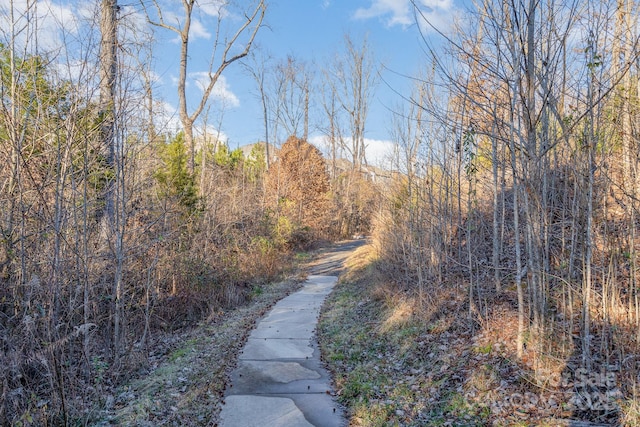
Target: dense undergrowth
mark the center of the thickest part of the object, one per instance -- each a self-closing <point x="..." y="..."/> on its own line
<point x="86" y="307"/>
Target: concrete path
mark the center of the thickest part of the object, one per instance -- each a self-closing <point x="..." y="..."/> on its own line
<point x="280" y="381"/>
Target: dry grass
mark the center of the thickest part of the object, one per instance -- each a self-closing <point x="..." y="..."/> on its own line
<point x="398" y="315"/>
<point x="397" y="361"/>
<point x="631" y="411"/>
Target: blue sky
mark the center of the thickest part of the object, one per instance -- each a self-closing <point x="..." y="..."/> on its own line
<point x="309" y="30"/>
<point x="313" y="31"/>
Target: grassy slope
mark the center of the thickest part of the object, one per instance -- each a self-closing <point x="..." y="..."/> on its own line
<point x="384" y="360"/>
<point x="396" y="363"/>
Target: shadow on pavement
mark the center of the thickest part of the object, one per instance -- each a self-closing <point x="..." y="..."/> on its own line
<point x="332" y="259"/>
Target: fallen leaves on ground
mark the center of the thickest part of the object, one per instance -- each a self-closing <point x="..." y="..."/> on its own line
<point x="395" y="366"/>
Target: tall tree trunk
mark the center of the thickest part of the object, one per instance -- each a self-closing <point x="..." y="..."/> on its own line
<point x="306" y="110"/>
<point x="108" y="70"/>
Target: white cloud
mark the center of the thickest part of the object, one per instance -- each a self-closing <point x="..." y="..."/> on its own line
<point x="42" y="21"/>
<point x="198" y="31"/>
<point x="61" y="16"/>
<point x="436" y="15"/>
<point x="213" y="134"/>
<point x="154" y="77"/>
<point x="134" y="21"/>
<point x="379" y="152"/>
<point x="174" y="15"/>
<point x="321" y="142"/>
<point x="165" y="118"/>
<point x="437" y="4"/>
<point x="221" y="91"/>
<point x="395" y="12"/>
<point x="213" y="8"/>
<point x="431" y="13"/>
<point x="167" y="122"/>
<point x="77" y="71"/>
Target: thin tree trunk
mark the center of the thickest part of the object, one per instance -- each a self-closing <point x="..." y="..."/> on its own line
<point x="495" y="258"/>
<point x="587" y="279"/>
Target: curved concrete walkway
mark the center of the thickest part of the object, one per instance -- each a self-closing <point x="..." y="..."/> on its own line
<point x="280" y="380"/>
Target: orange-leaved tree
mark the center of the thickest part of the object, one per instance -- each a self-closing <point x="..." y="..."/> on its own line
<point x="297" y="188"/>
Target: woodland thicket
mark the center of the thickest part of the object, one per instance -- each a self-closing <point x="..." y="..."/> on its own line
<point x="114" y="230"/>
<point x="515" y="187"/>
<point x="519" y="188"/>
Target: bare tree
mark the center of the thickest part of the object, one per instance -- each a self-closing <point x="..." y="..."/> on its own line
<point x="292" y="84"/>
<point x="225" y="51"/>
<point x="107" y="114"/>
<point x="258" y="70"/>
<point x="353" y="77"/>
<point x="334" y="129"/>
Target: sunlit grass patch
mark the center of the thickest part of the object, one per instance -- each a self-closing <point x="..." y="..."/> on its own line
<point x="484" y="349"/>
<point x="376" y="415"/>
<point x="484" y="378"/>
<point x="630" y="410"/>
<point x="359" y="385"/>
<point x="397" y="316"/>
<point x="361" y="263"/>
